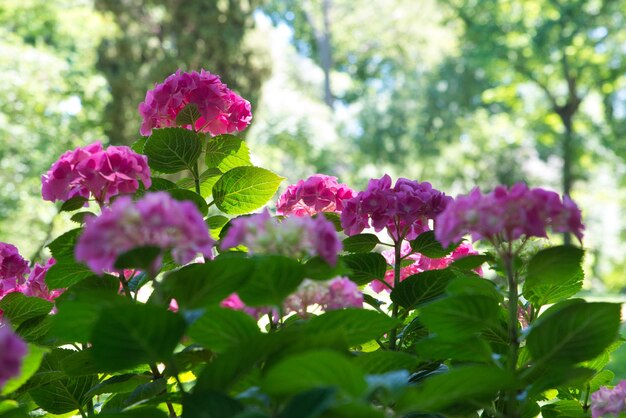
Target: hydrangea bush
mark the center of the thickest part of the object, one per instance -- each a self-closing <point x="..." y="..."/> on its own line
<point x="189" y="298"/>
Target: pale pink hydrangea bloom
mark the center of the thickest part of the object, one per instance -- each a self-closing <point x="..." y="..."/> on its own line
<point x="318" y="193"/>
<point x="507" y="214"/>
<point x="295" y="236"/>
<point x="94" y="171"/>
<point x="12" y="352"/>
<point x="608" y="401"/>
<point x="420" y="263"/>
<point x="36" y="285"/>
<point x="409" y="205"/>
<point x="221" y="111"/>
<point x="155" y="220"/>
<point x="13" y="269"/>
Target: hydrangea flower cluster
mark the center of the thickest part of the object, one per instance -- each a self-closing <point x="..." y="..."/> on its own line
<point x="404" y="209"/>
<point x="608" y="401"/>
<point x="318" y="193"/>
<point x="420" y="263"/>
<point x="95" y="171"/>
<point x="295" y="236"/>
<point x="13" y="269"/>
<point x="36" y="284"/>
<point x="221" y="110"/>
<point x="155" y="220"/>
<point x="506" y="215"/>
<point x="12" y="352"/>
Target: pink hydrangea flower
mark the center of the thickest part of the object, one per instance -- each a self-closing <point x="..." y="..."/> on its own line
<point x="420" y="263"/>
<point x="36" y="285"/>
<point x="296" y="236"/>
<point x="608" y="401"/>
<point x="12" y="352"/>
<point x="342" y="293"/>
<point x="13" y="269"/>
<point x="404" y="210"/>
<point x="318" y="193"/>
<point x="234" y="302"/>
<point x="221" y="111"/>
<point x="94" y="171"/>
<point x="507" y="214"/>
<point x="155" y="220"/>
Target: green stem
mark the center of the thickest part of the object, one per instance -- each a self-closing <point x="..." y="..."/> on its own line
<point x="196" y="178"/>
<point x="511" y="396"/>
<point x="586" y="404"/>
<point x="396" y="280"/>
<point x="82" y="413"/>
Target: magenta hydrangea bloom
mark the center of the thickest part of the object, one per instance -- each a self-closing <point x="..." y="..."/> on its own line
<point x="234" y="302"/>
<point x="420" y="264"/>
<point x="404" y="209"/>
<point x="13" y="269"/>
<point x="36" y="285"/>
<point x="157" y="219"/>
<point x="507" y="214"/>
<point x="607" y="401"/>
<point x="94" y="171"/>
<point x="295" y="236"/>
<point x="221" y="111"/>
<point x="12" y="352"/>
<point x="318" y="193"/>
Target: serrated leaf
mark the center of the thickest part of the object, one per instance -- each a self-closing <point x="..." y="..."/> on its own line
<point x="361" y="243"/>
<point x="221" y="328"/>
<point x="245" y="189"/>
<point x="421" y="288"/>
<point x="365" y="267"/>
<point x="188" y="195"/>
<point x="73" y="204"/>
<point x="18" y="308"/>
<point x="273" y="279"/>
<point x="563" y="409"/>
<point x="171" y="150"/>
<point x="357" y="325"/>
<point x="62" y="248"/>
<point x="138" y="145"/>
<point x="35" y="329"/>
<point x="207" y="180"/>
<point x="188" y="115"/>
<point x="427" y="244"/>
<point x="226" y="152"/>
<point x="64" y="274"/>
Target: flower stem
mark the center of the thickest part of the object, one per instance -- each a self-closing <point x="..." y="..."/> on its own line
<point x="511" y="410"/>
<point x="196" y="177"/>
<point x="396" y="280"/>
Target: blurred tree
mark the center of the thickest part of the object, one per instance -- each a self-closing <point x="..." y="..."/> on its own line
<point x="157" y="37"/>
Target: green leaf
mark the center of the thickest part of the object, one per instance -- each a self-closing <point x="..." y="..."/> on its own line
<point x="196" y="199"/>
<point x="357" y="325"/>
<point x="162" y="185"/>
<point x="574" y="333"/>
<point x="64" y="274"/>
<point x="365" y="267"/>
<point x="210" y="404"/>
<point x="147" y="391"/>
<point x="311" y="370"/>
<point x="171" y="150"/>
<point x="138" y="145"/>
<point x="244" y="189"/>
<point x="207" y="180"/>
<point x="62" y="248"/>
<point x="427" y="244"/>
<point x="141" y="258"/>
<point x="18" y="308"/>
<point x="318" y="269"/>
<point x="215" y="224"/>
<point x="379" y="362"/>
<point x="310" y="404"/>
<point x="125" y="336"/>
<point x="35" y="330"/>
<point x="220" y="328"/>
<point x="563" y="409"/>
<point x="80" y="363"/>
<point x="471" y="262"/>
<point x="120" y="384"/>
<point x="459" y="317"/>
<point x="472" y="349"/>
<point x="198" y="285"/>
<point x="421" y="288"/>
<point x="188" y="115"/>
<point x="472" y="383"/>
<point x="73" y="204"/>
<point x="361" y="243"/>
<point x="274" y="278"/>
<point x="81" y="217"/>
<point x="136" y="413"/>
<point x="226" y="152"/>
<point x="554" y="274"/>
<point x="30" y="365"/>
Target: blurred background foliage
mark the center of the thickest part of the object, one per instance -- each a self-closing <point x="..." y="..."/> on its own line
<point x="456" y="92"/>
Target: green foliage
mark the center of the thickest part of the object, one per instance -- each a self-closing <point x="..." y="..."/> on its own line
<point x="244" y="189"/>
<point x="170" y="150"/>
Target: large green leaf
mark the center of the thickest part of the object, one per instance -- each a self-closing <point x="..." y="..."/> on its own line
<point x="574" y="333"/>
<point x="120" y="384"/>
<point x="193" y="197"/>
<point x="171" y="150"/>
<point x="207" y="180"/>
<point x="274" y="278"/>
<point x="472" y="349"/>
<point x="125" y="336"/>
<point x="357" y="325"/>
<point x="220" y="328"/>
<point x="210" y="404"/>
<point x="382" y="361"/>
<point x="427" y="244"/>
<point x="422" y="288"/>
<point x="62" y="248"/>
<point x="138" y="258"/>
<point x="311" y="370"/>
<point x="225" y="152"/>
<point x="18" y="308"/>
<point x="360" y="243"/>
<point x="554" y="274"/>
<point x="566" y="408"/>
<point x="188" y="115"/>
<point x="64" y="274"/>
<point x="365" y="267"/>
<point x="136" y="413"/>
<point x="310" y="404"/>
<point x="245" y="189"/>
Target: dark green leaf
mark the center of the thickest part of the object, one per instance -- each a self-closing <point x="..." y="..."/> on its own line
<point x="162" y="185"/>
<point x="471" y="262"/>
<point x="207" y="180"/>
<point x="18" y="308"/>
<point x="422" y="288"/>
<point x="196" y="199"/>
<point x="225" y="152"/>
<point x="274" y="278"/>
<point x="73" y="204"/>
<point x="470" y="349"/>
<point x="365" y="267"/>
<point x="563" y="409"/>
<point x="138" y="145"/>
<point x="378" y="362"/>
<point x="147" y="391"/>
<point x="244" y="189"/>
<point x="138" y="258"/>
<point x="35" y="330"/>
<point x="62" y="248"/>
<point x="120" y="384"/>
<point x="361" y="243"/>
<point x="427" y="244"/>
<point x="574" y="333"/>
<point x="136" y="413"/>
<point x="171" y="150"/>
<point x="81" y="217"/>
<point x="64" y="274"/>
<point x="220" y="328"/>
<point x="125" y="336"/>
<point x="188" y="115"/>
<point x="310" y="404"/>
<point x="210" y="404"/>
<point x="318" y="269"/>
<point x="357" y="325"/>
